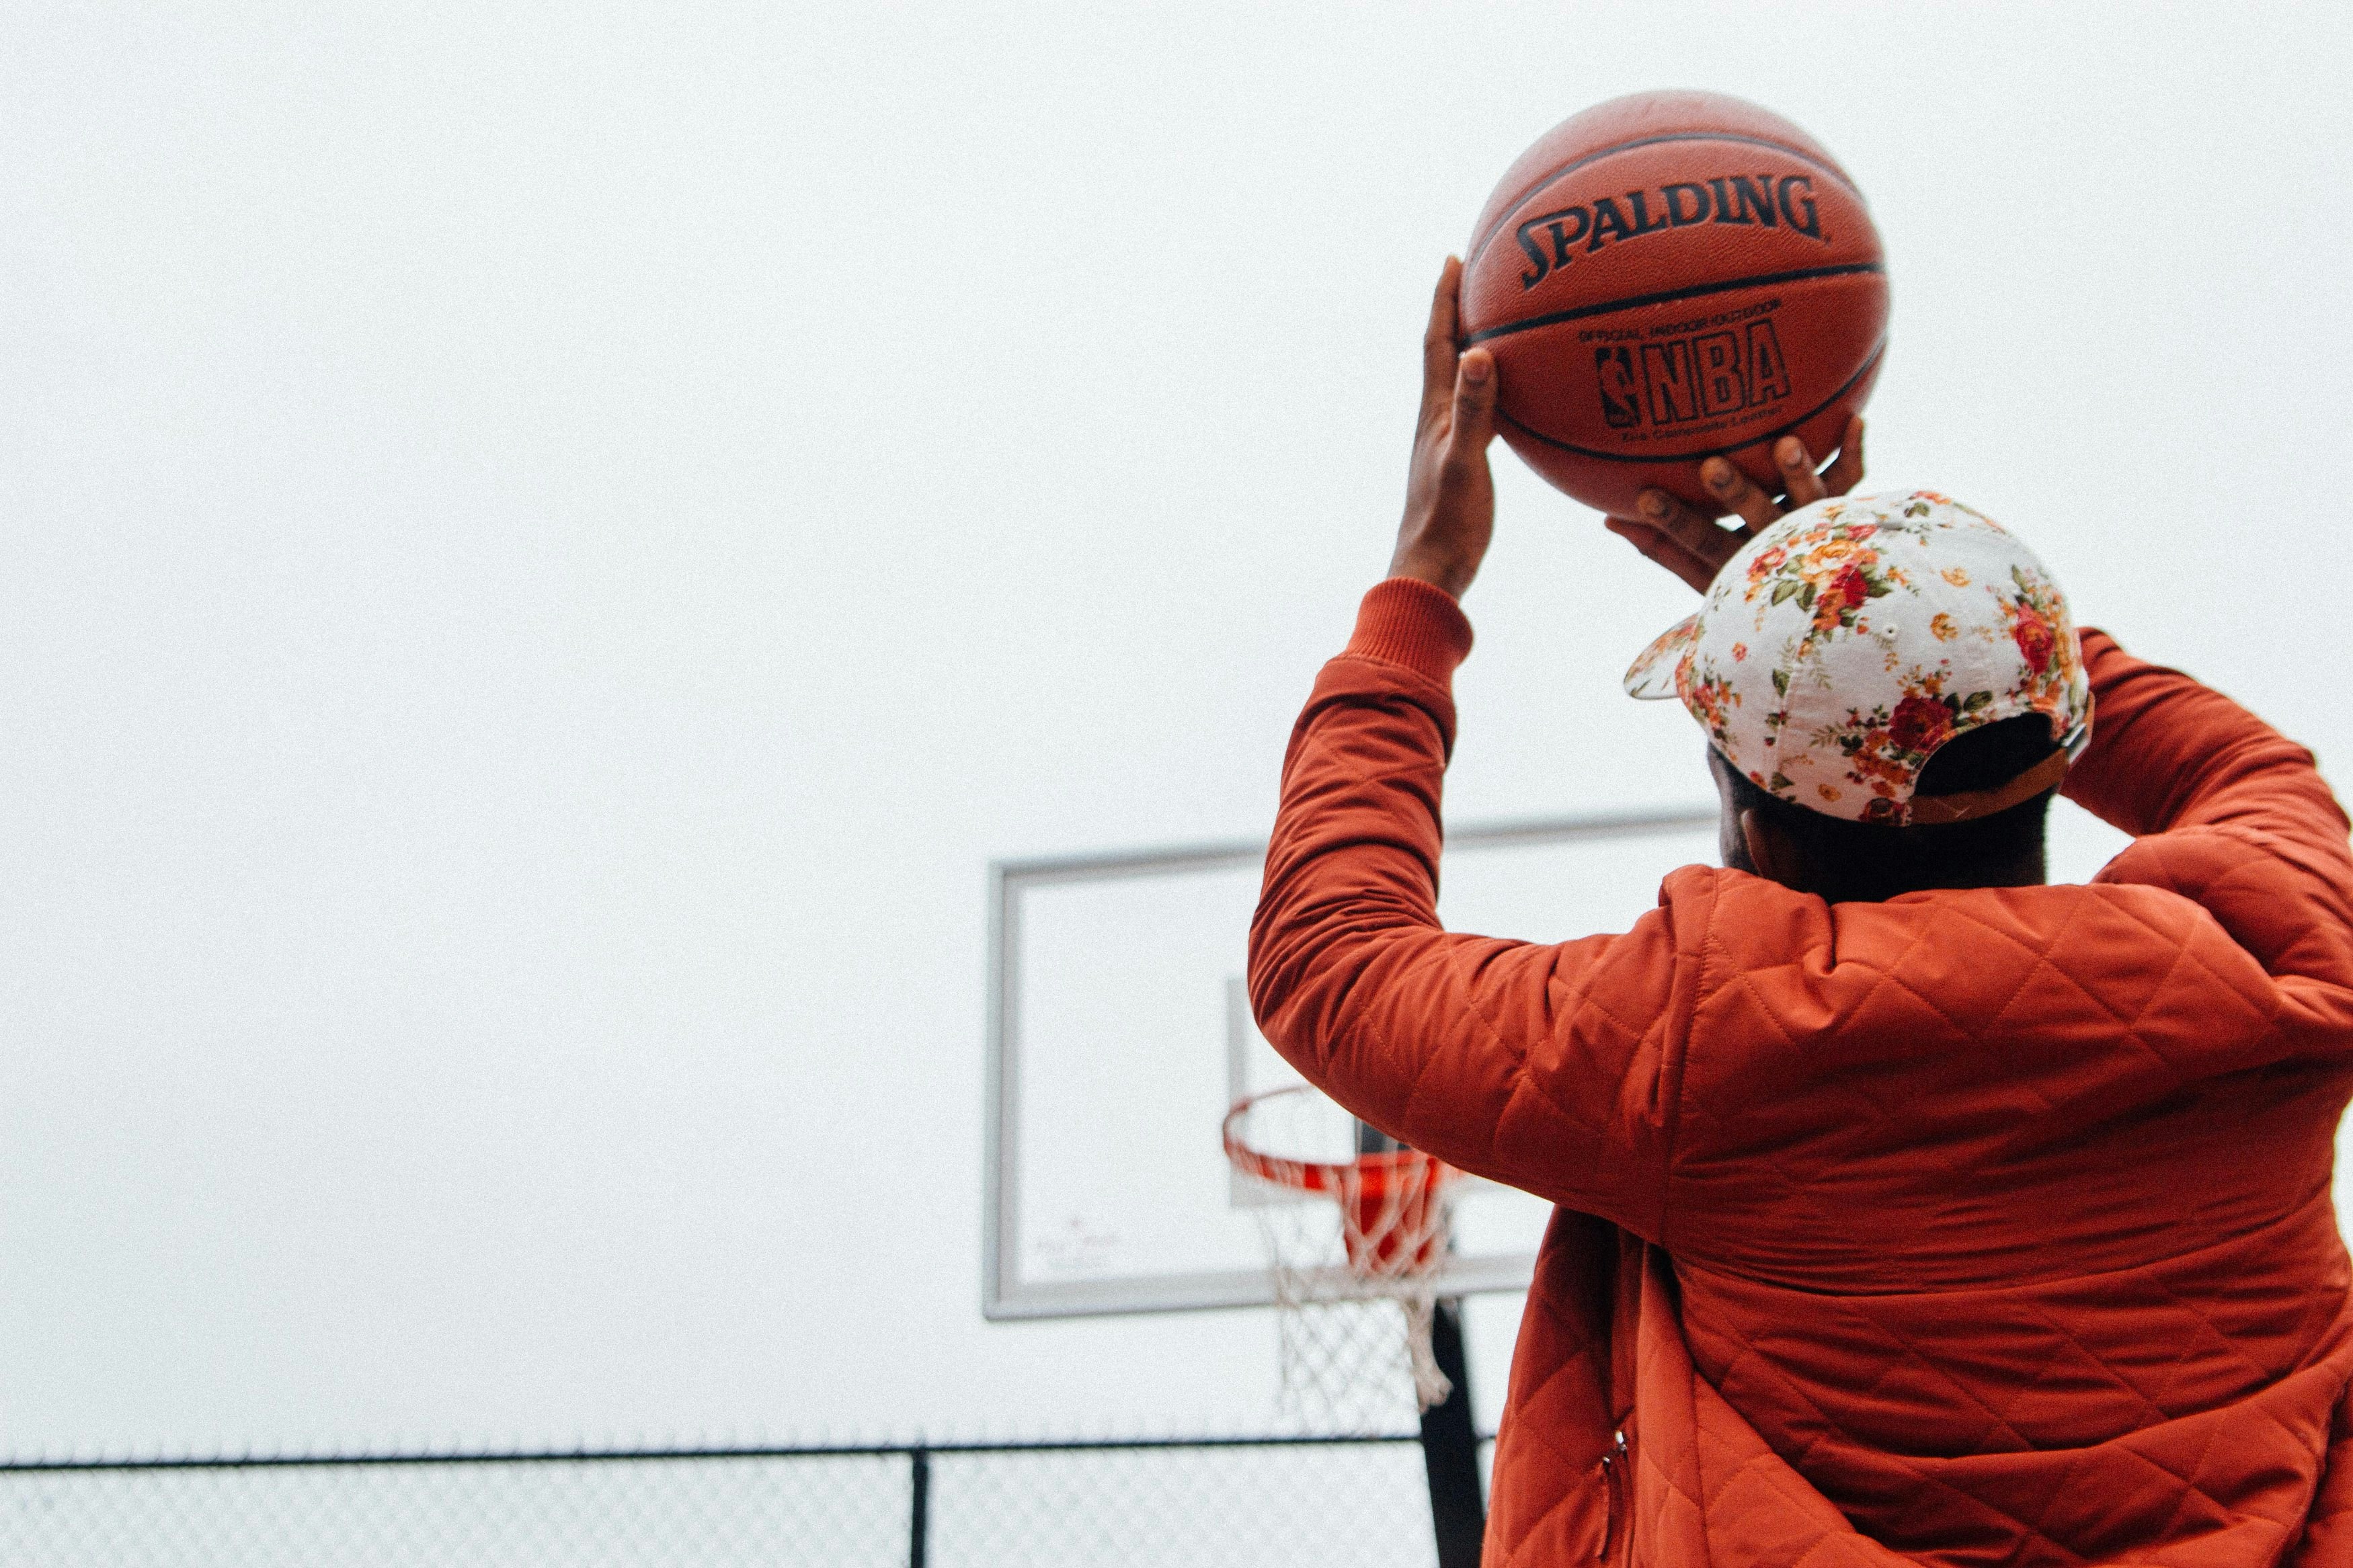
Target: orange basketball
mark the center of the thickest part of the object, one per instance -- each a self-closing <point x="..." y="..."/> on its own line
<point x="1668" y="276"/>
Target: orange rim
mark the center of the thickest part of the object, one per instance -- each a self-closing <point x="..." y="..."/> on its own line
<point x="1372" y="1175"/>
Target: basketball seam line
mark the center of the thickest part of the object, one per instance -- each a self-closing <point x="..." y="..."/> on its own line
<point x="1877" y="349"/>
<point x="1480" y="244"/>
<point x="1668" y="296"/>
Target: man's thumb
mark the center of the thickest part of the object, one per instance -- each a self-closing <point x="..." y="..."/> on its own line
<point x="1475" y="399"/>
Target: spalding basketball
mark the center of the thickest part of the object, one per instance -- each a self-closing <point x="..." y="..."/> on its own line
<point x="1668" y="276"/>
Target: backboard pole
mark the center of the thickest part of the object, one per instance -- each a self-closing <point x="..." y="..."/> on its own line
<point x="919" y="1507"/>
<point x="1449" y="1449"/>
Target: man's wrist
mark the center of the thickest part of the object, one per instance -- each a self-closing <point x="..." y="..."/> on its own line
<point x="1406" y="621"/>
<point x="1443" y="570"/>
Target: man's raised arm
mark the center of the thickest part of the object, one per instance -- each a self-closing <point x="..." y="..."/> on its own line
<point x="2228" y="812"/>
<point x="1550" y="1067"/>
<point x="1543" y="1066"/>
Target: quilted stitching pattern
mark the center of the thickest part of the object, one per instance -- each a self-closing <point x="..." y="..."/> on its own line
<point x="1985" y="1227"/>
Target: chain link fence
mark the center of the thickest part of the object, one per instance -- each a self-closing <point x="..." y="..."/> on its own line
<point x="1350" y="1502"/>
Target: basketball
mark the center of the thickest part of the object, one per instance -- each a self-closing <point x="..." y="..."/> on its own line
<point x="1668" y="276"/>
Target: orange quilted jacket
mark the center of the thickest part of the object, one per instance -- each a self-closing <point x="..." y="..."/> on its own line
<point x="1972" y="1227"/>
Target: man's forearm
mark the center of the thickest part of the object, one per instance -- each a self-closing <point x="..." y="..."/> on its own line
<point x="2170" y="753"/>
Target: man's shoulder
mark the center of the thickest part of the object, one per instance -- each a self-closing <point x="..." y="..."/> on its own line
<point x="1956" y="1003"/>
<point x="2282" y="899"/>
<point x="2207" y="944"/>
<point x="1761" y="918"/>
<point x="1966" y="956"/>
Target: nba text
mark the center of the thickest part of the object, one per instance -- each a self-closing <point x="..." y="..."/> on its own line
<point x="1680" y="380"/>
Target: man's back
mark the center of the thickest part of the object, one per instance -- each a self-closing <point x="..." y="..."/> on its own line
<point x="1973" y="1227"/>
<point x="2011" y="1219"/>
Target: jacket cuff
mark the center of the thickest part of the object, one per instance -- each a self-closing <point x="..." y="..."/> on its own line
<point x="1406" y="621"/>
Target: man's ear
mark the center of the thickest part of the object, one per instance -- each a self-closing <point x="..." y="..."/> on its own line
<point x="1772" y="851"/>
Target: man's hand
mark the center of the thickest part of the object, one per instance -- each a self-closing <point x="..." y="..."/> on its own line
<point x="1695" y="548"/>
<point x="1450" y="494"/>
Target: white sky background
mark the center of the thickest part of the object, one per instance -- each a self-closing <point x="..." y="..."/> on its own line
<point x="546" y="548"/>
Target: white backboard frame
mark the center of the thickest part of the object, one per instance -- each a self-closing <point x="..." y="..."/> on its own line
<point x="1005" y="1294"/>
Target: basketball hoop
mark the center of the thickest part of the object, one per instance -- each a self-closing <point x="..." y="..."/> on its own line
<point x="1346" y="1232"/>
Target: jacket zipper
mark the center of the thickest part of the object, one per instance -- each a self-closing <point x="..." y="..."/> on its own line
<point x="1613" y="1466"/>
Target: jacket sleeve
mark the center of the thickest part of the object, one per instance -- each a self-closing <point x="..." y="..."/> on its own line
<point x="2167" y="752"/>
<point x="1550" y="1067"/>
<point x="2226" y="810"/>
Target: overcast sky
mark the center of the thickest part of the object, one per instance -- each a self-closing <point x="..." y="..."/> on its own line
<point x="546" y="548"/>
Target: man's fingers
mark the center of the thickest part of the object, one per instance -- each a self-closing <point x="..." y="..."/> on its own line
<point x="1438" y="351"/>
<point x="1658" y="546"/>
<point x="1475" y="408"/>
<point x="1728" y="485"/>
<point x="1798" y="476"/>
<point x="1700" y="536"/>
<point x="1846" y="470"/>
<point x="1694" y="546"/>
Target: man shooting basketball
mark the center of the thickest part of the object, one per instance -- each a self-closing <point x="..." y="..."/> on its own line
<point x="1910" y="1210"/>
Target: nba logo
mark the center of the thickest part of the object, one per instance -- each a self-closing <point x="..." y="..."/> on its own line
<point x="1621" y="405"/>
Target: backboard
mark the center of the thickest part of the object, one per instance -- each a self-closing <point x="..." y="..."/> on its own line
<point x="1119" y="1034"/>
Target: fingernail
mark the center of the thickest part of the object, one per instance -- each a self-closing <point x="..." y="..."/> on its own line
<point x="1652" y="503"/>
<point x="1477" y="368"/>
<point x="1717" y="473"/>
<point x="1792" y="453"/>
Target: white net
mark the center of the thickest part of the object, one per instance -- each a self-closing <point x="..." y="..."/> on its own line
<point x="1352" y="1242"/>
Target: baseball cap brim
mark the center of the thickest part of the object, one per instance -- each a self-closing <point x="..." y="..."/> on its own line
<point x="1652" y="676"/>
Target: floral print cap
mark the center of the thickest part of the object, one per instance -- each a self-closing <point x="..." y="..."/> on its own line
<point x="1843" y="646"/>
